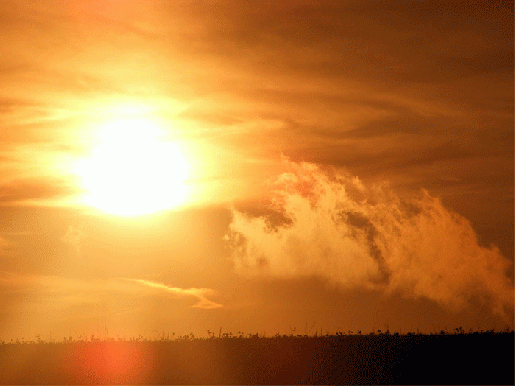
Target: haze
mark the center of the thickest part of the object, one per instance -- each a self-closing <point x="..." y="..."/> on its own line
<point x="349" y="167"/>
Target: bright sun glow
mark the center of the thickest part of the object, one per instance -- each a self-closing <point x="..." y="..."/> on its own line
<point x="132" y="171"/>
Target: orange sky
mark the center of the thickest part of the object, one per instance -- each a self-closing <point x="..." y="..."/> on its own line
<point x="350" y="166"/>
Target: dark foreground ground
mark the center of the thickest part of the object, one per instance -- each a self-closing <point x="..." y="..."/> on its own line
<point x="475" y="358"/>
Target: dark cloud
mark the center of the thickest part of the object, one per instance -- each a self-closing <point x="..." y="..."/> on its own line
<point x="9" y="104"/>
<point x="420" y="42"/>
<point x="35" y="189"/>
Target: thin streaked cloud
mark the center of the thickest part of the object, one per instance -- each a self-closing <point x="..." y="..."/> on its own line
<point x="199" y="293"/>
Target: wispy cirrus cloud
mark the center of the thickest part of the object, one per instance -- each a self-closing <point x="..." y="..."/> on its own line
<point x="73" y="290"/>
<point x="4" y="243"/>
<point x="199" y="293"/>
<point x="74" y="237"/>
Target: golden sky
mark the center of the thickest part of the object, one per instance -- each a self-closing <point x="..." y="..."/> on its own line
<point x="256" y="166"/>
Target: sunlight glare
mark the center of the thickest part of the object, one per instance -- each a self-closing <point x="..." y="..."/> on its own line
<point x="132" y="171"/>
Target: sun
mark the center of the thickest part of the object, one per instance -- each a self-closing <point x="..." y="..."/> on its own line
<point x="132" y="171"/>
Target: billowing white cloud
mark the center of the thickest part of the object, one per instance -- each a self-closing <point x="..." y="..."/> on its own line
<point x="332" y="225"/>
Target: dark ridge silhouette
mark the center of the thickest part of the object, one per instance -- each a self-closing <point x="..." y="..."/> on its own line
<point x="459" y="358"/>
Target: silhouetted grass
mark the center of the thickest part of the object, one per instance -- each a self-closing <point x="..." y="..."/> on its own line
<point x="480" y="357"/>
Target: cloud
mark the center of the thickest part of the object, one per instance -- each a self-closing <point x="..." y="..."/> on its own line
<point x="74" y="237"/>
<point x="37" y="190"/>
<point x="4" y="243"/>
<point x="59" y="286"/>
<point x="71" y="290"/>
<point x="198" y="293"/>
<point x="328" y="223"/>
